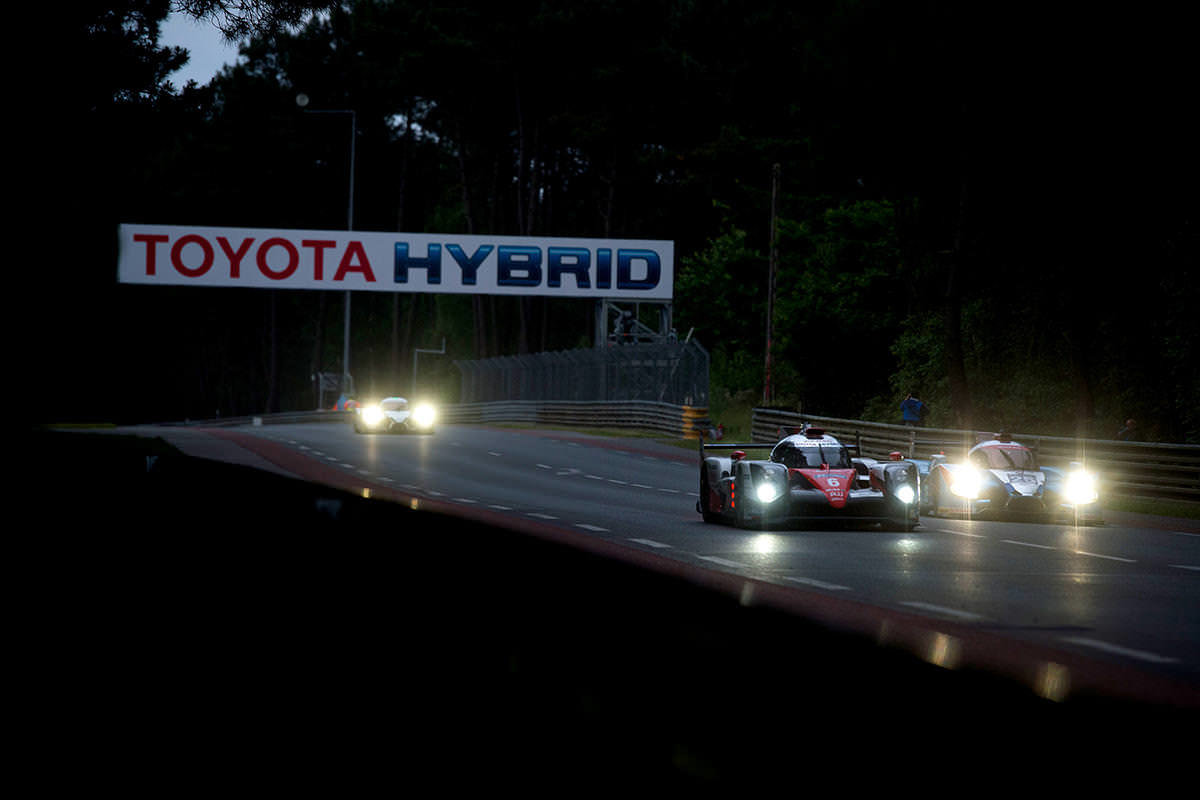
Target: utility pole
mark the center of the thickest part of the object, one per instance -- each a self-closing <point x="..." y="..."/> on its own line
<point x="768" y="390"/>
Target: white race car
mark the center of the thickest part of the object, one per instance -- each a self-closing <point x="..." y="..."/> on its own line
<point x="393" y="415"/>
<point x="1003" y="478"/>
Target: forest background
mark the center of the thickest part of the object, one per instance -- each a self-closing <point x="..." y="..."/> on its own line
<point x="993" y="205"/>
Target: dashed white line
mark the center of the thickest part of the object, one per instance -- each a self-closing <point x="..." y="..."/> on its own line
<point x="500" y="508"/>
<point x="539" y="515"/>
<point x="833" y="587"/>
<point x="722" y="561"/>
<point x="651" y="543"/>
<point x="1029" y="544"/>
<point x="595" y="528"/>
<point x="949" y="612"/>
<point x="960" y="533"/>
<point x="1110" y="558"/>
<point x="1141" y="655"/>
<point x="1185" y="566"/>
<point x="464" y="500"/>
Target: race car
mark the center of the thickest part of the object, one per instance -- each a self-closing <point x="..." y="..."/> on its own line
<point x="1002" y="478"/>
<point x="392" y="415"/>
<point x="809" y="477"/>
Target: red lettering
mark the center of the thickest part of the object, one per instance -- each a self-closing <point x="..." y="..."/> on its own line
<point x="354" y="251"/>
<point x="177" y="261"/>
<point x="319" y="247"/>
<point x="151" y="252"/>
<point x="293" y="259"/>
<point x="235" y="256"/>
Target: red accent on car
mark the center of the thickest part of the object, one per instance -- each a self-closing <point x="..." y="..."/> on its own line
<point x="835" y="484"/>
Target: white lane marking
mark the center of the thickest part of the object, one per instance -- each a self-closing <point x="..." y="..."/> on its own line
<point x="1185" y="566"/>
<point x="542" y="516"/>
<point x="640" y="486"/>
<point x="670" y="491"/>
<point x="651" y="543"/>
<point x="834" y="587"/>
<point x="957" y="533"/>
<point x="463" y="500"/>
<point x="1029" y="544"/>
<point x="614" y="480"/>
<point x="494" y="453"/>
<point x="949" y="612"/>
<point x="595" y="477"/>
<point x="1110" y="558"/>
<point x="722" y="561"/>
<point x="595" y="528"/>
<point x="500" y="508"/>
<point x="1124" y="651"/>
<point x="544" y="466"/>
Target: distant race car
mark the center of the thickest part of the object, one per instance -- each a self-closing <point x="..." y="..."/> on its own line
<point x="392" y="415"/>
<point x="1000" y="477"/>
<point x="809" y="477"/>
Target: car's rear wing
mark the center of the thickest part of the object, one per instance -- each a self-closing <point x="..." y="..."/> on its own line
<point x="704" y="448"/>
<point x="855" y="449"/>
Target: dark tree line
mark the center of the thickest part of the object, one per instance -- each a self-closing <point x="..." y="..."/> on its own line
<point x="991" y="205"/>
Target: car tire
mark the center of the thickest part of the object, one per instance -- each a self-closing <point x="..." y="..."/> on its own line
<point x="935" y="495"/>
<point x="702" y="504"/>
<point x="743" y="522"/>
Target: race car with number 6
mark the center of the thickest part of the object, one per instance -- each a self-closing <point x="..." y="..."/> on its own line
<point x="809" y="477"/>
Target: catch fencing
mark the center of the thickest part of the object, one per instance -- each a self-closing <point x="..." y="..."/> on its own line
<point x="1130" y="469"/>
<point x="675" y="373"/>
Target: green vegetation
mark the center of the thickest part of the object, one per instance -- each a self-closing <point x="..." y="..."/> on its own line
<point x="1012" y="236"/>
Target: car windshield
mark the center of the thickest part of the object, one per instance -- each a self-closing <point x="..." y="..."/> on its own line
<point x="811" y="456"/>
<point x="1013" y="457"/>
<point x="394" y="405"/>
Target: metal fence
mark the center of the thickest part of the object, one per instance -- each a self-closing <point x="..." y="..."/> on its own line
<point x="670" y="372"/>
<point x="687" y="422"/>
<point x="1131" y="469"/>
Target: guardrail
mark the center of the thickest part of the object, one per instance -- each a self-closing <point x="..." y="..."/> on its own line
<point x="687" y="422"/>
<point x="1130" y="469"/>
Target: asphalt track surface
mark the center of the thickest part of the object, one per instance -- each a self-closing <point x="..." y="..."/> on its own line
<point x="493" y="609"/>
<point x="1112" y="608"/>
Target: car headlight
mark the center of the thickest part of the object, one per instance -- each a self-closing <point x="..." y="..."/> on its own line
<point x="766" y="492"/>
<point x="1080" y="488"/>
<point x="424" y="415"/>
<point x="966" y="483"/>
<point x="906" y="494"/>
<point x="372" y="415"/>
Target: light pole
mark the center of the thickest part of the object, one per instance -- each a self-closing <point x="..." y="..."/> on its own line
<point x="302" y="101"/>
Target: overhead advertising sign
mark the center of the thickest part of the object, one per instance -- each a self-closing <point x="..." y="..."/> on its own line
<point x="170" y="255"/>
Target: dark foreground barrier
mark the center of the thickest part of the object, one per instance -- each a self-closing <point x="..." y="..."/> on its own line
<point x="204" y="627"/>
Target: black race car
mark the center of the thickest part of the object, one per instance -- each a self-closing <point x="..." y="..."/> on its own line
<point x="809" y="477"/>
